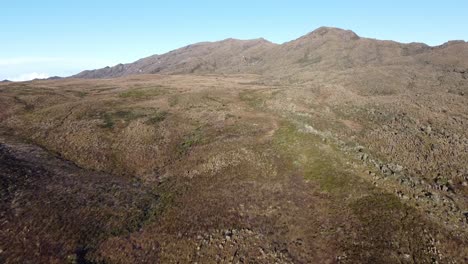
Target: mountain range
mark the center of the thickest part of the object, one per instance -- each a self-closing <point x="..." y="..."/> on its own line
<point x="325" y="48"/>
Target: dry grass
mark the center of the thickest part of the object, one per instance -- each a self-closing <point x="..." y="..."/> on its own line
<point x="185" y="160"/>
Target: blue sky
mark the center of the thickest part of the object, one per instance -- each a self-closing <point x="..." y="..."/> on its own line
<point x="47" y="38"/>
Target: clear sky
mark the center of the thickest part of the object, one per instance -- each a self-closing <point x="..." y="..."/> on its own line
<point x="47" y="38"/>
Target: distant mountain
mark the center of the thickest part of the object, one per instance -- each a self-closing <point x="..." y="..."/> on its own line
<point x="5" y="81"/>
<point x="54" y="78"/>
<point x="323" y="49"/>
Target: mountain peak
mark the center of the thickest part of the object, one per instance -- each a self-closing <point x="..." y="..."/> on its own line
<point x="257" y="40"/>
<point x="332" y="31"/>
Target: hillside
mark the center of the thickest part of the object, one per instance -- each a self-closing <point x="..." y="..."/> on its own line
<point x="323" y="49"/>
<point x="230" y="55"/>
<point x="331" y="148"/>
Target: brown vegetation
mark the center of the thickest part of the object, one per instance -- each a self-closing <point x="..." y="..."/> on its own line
<point x="357" y="154"/>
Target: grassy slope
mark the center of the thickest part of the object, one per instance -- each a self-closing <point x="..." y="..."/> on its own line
<point x="224" y="154"/>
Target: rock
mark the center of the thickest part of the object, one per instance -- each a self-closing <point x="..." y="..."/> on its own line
<point x="428" y="129"/>
<point x="364" y="157"/>
<point x="402" y="195"/>
<point x="72" y="258"/>
<point x="397" y="168"/>
<point x="428" y="194"/>
<point x="228" y="232"/>
<point x="405" y="180"/>
<point x="435" y="197"/>
<point x="359" y="148"/>
<point x="385" y="170"/>
<point x="262" y="251"/>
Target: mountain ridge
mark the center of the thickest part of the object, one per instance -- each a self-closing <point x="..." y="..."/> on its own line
<point x="323" y="48"/>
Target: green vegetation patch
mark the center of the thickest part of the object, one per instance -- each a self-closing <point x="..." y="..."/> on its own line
<point x="113" y="118"/>
<point x="157" y="117"/>
<point x="143" y="93"/>
<point x="82" y="94"/>
<point x="318" y="161"/>
<point x="128" y="115"/>
<point x="252" y="98"/>
<point x="257" y="98"/>
<point x="377" y="209"/>
<point x="173" y="100"/>
<point x="209" y="97"/>
<point x="110" y="119"/>
<point x="189" y="141"/>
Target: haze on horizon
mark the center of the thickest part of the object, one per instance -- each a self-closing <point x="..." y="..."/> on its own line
<point x="50" y="38"/>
